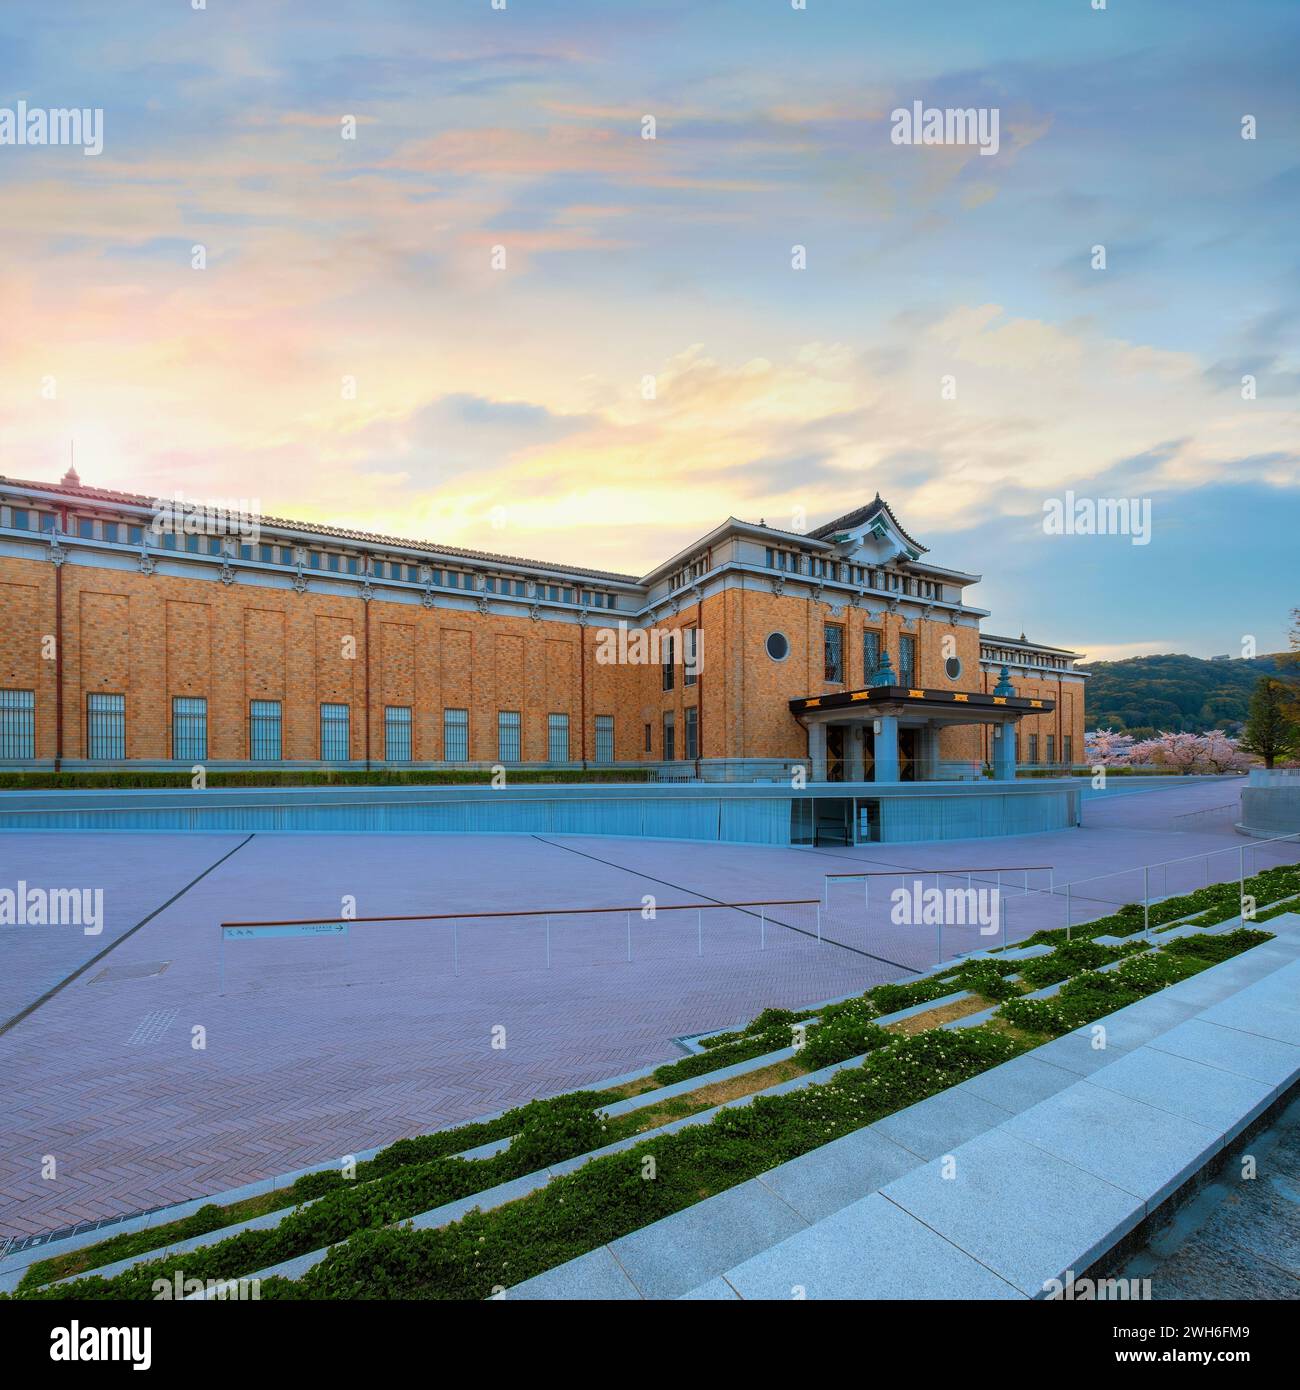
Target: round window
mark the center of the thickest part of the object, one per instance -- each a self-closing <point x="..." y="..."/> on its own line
<point x="952" y="668"/>
<point x="778" y="646"/>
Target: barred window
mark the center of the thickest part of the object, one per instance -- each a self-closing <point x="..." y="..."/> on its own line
<point x="1033" y="748"/>
<point x="833" y="643"/>
<point x="692" y="732"/>
<point x="667" y="653"/>
<point x="17" y="723"/>
<point x="557" y="738"/>
<point x="604" y="738"/>
<point x="1067" y="748"/>
<point x="455" y="735"/>
<point x="1051" y="748"/>
<point x="189" y="728"/>
<point x="335" y="730"/>
<point x="670" y="740"/>
<point x="397" y="733"/>
<point x="508" y="736"/>
<point x="870" y="654"/>
<point x="106" y="726"/>
<point x="264" y="731"/>
<point x="690" y="656"/>
<point x="906" y="659"/>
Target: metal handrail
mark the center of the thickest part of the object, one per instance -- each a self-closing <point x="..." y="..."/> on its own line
<point x="979" y="869"/>
<point x="524" y="912"/>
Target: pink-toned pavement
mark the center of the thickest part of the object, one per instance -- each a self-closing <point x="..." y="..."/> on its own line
<point x="317" y="1048"/>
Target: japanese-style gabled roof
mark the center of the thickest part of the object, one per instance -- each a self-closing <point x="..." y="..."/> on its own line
<point x="852" y="520"/>
<point x="131" y="499"/>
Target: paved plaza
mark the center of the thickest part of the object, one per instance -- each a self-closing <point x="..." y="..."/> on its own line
<point x="313" y="1048"/>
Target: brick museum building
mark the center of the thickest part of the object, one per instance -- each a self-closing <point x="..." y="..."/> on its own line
<point x="134" y="631"/>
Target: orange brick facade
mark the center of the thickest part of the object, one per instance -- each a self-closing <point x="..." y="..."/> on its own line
<point x="233" y="638"/>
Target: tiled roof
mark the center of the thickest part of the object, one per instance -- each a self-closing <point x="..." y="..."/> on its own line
<point x="131" y="499"/>
<point x="856" y="518"/>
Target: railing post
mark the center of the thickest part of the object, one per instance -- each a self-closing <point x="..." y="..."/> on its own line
<point x="1241" y="886"/>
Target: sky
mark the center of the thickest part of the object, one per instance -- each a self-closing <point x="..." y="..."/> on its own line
<point x="501" y="317"/>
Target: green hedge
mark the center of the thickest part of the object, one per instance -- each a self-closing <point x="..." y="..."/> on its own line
<point x="1091" y="994"/>
<point x="1204" y="906"/>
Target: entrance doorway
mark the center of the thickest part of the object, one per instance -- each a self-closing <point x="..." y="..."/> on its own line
<point x="907" y="743"/>
<point x="835" y="753"/>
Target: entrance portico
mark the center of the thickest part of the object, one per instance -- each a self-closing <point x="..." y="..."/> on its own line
<point x="891" y="733"/>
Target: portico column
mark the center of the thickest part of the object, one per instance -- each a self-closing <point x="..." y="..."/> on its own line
<point x="817" y="750"/>
<point x="887" y="748"/>
<point x="856" y="761"/>
<point x="1004" y="753"/>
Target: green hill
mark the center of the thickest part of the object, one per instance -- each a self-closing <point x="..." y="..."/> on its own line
<point x="1176" y="694"/>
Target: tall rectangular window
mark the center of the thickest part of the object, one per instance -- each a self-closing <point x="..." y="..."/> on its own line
<point x="1033" y="748"/>
<point x="667" y="651"/>
<point x="604" y="738"/>
<point x="906" y="659"/>
<point x="670" y="737"/>
<point x="692" y="749"/>
<point x="833" y="646"/>
<point x="557" y="738"/>
<point x="189" y="728"/>
<point x="17" y="723"/>
<point x="649" y="738"/>
<point x="508" y="750"/>
<point x="397" y="733"/>
<point x="870" y="654"/>
<point x="1051" y="748"/>
<point x="335" y="728"/>
<point x="106" y="726"/>
<point x="691" y="656"/>
<point x="265" y="731"/>
<point x="1067" y="748"/>
<point x="455" y="735"/>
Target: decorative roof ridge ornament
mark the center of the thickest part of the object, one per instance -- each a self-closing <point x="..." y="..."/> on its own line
<point x="1004" y="686"/>
<point x="884" y="672"/>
